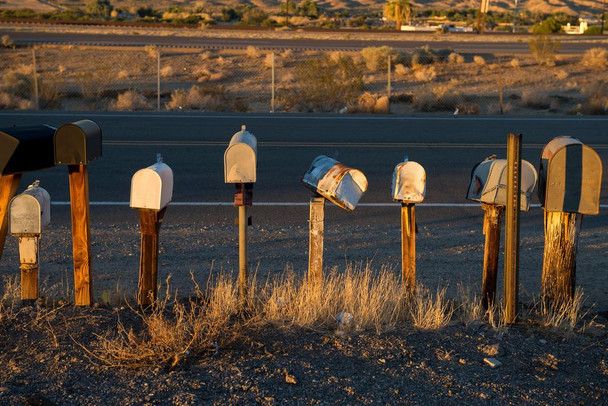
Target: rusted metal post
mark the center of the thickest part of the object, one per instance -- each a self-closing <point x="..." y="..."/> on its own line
<point x="408" y="246"/>
<point x="81" y="234"/>
<point x="511" y="274"/>
<point x="9" y="184"/>
<point x="29" y="254"/>
<point x="315" y="242"/>
<point x="150" y="222"/>
<point x="491" y="229"/>
<point x="272" y="85"/>
<point x="158" y="79"/>
<point x="35" y="77"/>
<point x="243" y="272"/>
<point x="559" y="262"/>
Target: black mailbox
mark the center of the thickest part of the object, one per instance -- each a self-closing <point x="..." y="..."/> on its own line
<point x="77" y="143"/>
<point x="26" y="148"/>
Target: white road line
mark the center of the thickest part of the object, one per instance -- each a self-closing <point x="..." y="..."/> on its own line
<point x="295" y="204"/>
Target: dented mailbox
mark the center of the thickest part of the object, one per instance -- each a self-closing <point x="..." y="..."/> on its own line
<point x="340" y="184"/>
<point x="26" y="148"/>
<point x="30" y="211"/>
<point x="152" y="187"/>
<point x="409" y="182"/>
<point x="570" y="177"/>
<point x="77" y="143"/>
<point x="240" y="158"/>
<point x="489" y="182"/>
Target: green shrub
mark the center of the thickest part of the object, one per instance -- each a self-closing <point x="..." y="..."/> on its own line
<point x="549" y="26"/>
<point x="376" y="58"/>
<point x="544" y="49"/>
<point x="595" y="30"/>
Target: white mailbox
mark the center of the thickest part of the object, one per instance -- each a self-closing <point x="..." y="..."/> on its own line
<point x="489" y="182"/>
<point x="240" y="158"/>
<point x="340" y="184"/>
<point x="152" y="187"/>
<point x="30" y="211"/>
<point x="409" y="182"/>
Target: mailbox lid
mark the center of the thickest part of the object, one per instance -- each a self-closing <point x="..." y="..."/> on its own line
<point x="26" y="148"/>
<point x="240" y="158"/>
<point x="77" y="143"/>
<point x="409" y="182"/>
<point x="152" y="187"/>
<point x="30" y="211"/>
<point x="571" y="176"/>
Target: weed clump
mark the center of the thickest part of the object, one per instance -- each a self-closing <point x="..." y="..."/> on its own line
<point x="131" y="100"/>
<point x="205" y="97"/>
<point x="544" y="49"/>
<point x="596" y="58"/>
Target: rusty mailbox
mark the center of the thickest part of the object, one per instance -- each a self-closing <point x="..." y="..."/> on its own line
<point x="409" y="182"/>
<point x="336" y="182"/>
<point x="30" y="211"/>
<point x="240" y="158"/>
<point x="77" y="143"/>
<point x="489" y="182"/>
<point x="26" y="148"/>
<point x="152" y="187"/>
<point x="570" y="177"/>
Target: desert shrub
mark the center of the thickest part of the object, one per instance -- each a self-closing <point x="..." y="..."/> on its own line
<point x="369" y="103"/>
<point x="596" y="101"/>
<point x="323" y="85"/>
<point x="376" y="58"/>
<point x="7" y="42"/>
<point x="561" y="74"/>
<point x="593" y="30"/>
<point x="423" y="56"/>
<point x="269" y="59"/>
<point x="549" y="26"/>
<point x="455" y="59"/>
<point x="479" y="60"/>
<point x="437" y="98"/>
<point x="10" y="101"/>
<point x="131" y="100"/>
<point x="515" y="63"/>
<point x="122" y="74"/>
<point x="596" y="58"/>
<point x="252" y="51"/>
<point x="151" y="50"/>
<point x="401" y="69"/>
<point x="205" y="97"/>
<point x="535" y="99"/>
<point x="18" y="82"/>
<point x="544" y="49"/>
<point x="166" y="71"/>
<point x="425" y="73"/>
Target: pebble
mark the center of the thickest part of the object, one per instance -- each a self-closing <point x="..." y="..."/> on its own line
<point x="542" y="341"/>
<point x="290" y="379"/>
<point x="492" y="362"/>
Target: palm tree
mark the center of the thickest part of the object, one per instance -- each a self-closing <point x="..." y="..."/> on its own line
<point x="398" y="11"/>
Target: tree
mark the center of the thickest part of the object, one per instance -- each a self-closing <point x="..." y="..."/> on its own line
<point x="99" y="8"/>
<point x="398" y="11"/>
<point x="549" y="26"/>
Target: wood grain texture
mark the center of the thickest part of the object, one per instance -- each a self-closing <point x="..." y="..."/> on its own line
<point x="150" y="222"/>
<point x="29" y="248"/>
<point x="316" y="225"/>
<point x="243" y="272"/>
<point x="491" y="229"/>
<point x="81" y="234"/>
<point x="9" y="184"/>
<point x="408" y="246"/>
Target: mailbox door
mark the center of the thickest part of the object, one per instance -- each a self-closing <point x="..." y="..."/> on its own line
<point x="25" y="215"/>
<point x="347" y="193"/>
<point x="240" y="164"/>
<point x="409" y="182"/>
<point x="32" y="149"/>
<point x="77" y="143"/>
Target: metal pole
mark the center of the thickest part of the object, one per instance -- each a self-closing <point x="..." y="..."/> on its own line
<point x="511" y="275"/>
<point x="515" y="15"/>
<point x="243" y="253"/>
<point x="35" y="77"/>
<point x="158" y="80"/>
<point x="272" y="85"/>
<point x="389" y="78"/>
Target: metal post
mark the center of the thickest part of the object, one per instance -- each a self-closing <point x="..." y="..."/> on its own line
<point x="515" y="15"/>
<point x="500" y="85"/>
<point x="511" y="275"/>
<point x="315" y="242"/>
<point x="491" y="229"/>
<point x="272" y="84"/>
<point x="408" y="246"/>
<point x="35" y="77"/>
<point x="158" y="80"/>
<point x="243" y="277"/>
<point x="389" y="78"/>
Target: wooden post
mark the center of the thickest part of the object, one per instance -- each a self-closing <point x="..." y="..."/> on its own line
<point x="29" y="253"/>
<point x="491" y="229"/>
<point x="408" y="246"/>
<point x="9" y="184"/>
<point x="559" y="261"/>
<point x="150" y="223"/>
<point x="243" y="272"/>
<point x="511" y="276"/>
<point x="81" y="234"/>
<point x="316" y="225"/>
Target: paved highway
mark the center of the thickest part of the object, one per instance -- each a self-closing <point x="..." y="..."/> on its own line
<point x="407" y="44"/>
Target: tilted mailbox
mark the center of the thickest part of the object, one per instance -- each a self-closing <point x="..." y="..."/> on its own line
<point x="240" y="168"/>
<point x="409" y="188"/>
<point x="336" y="182"/>
<point x="570" y="177"/>
<point x="151" y="192"/>
<point x="489" y="182"/>
<point x="30" y="212"/>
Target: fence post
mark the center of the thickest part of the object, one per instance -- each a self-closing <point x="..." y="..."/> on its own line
<point x="315" y="242"/>
<point x="158" y="80"/>
<point x="35" y="77"/>
<point x="272" y="84"/>
<point x="511" y="275"/>
<point x="491" y="229"/>
<point x="389" y="79"/>
<point x="500" y="85"/>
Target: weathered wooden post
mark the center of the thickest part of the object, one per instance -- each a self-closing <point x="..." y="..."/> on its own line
<point x="151" y="192"/>
<point x="22" y="149"/>
<point x="409" y="188"/>
<point x="30" y="212"/>
<point x="76" y="145"/>
<point x="339" y="184"/>
<point x="240" y="168"/>
<point x="569" y="187"/>
<point x="488" y="185"/>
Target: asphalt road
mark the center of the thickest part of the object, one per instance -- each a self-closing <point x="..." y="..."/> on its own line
<point x="410" y="42"/>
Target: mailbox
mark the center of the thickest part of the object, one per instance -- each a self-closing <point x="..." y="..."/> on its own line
<point x="152" y="187"/>
<point x="570" y="177"/>
<point x="77" y="143"/>
<point x="26" y="148"/>
<point x="409" y="182"/>
<point x="489" y="182"/>
<point x="30" y="211"/>
<point x="340" y="184"/>
<point x="240" y="158"/>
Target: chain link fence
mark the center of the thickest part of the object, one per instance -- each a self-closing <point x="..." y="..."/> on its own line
<point x="375" y="80"/>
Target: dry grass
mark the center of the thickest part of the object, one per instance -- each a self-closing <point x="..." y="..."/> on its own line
<point x="479" y="60"/>
<point x="596" y="58"/>
<point x="204" y="97"/>
<point x="535" y="99"/>
<point x="455" y="59"/>
<point x="425" y="73"/>
<point x="431" y="312"/>
<point x="544" y="49"/>
<point x="515" y="63"/>
<point x="131" y="100"/>
<point x="9" y="297"/>
<point x="563" y="314"/>
<point x="376" y="58"/>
